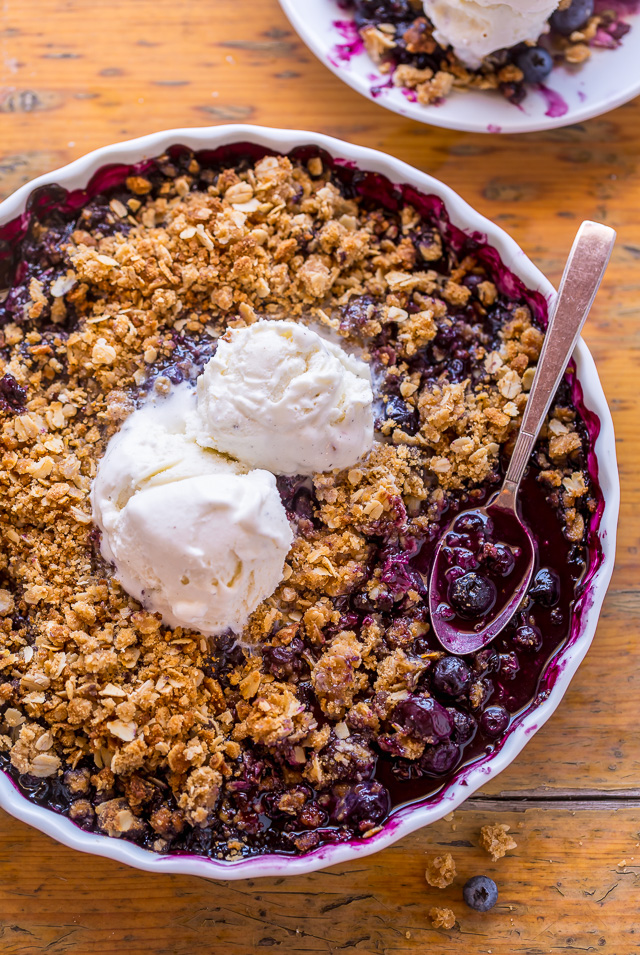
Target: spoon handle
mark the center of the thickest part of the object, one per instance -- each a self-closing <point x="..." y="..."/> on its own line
<point x="581" y="280"/>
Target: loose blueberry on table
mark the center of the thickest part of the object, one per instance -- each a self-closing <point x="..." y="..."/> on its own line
<point x="480" y="893"/>
<point x="345" y="706"/>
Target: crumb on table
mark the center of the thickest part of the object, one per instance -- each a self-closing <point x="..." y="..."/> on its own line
<point x="442" y="917"/>
<point x="441" y="871"/>
<point x="496" y="841"/>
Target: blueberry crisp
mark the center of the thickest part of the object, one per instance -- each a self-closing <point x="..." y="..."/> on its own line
<point x="431" y="47"/>
<point x="336" y="703"/>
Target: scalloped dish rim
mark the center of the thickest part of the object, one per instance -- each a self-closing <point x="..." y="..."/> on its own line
<point x="469" y="778"/>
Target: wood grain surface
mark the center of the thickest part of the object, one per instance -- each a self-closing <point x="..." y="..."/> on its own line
<point x="77" y="74"/>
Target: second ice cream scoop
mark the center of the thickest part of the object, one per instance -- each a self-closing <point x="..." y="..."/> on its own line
<point x="277" y="395"/>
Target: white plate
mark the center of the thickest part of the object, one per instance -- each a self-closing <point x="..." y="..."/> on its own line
<point x="609" y="79"/>
<point x="467" y="778"/>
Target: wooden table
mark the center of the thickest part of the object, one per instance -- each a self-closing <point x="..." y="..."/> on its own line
<point x="77" y="74"/>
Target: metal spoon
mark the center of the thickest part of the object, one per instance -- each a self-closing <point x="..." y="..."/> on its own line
<point x="582" y="276"/>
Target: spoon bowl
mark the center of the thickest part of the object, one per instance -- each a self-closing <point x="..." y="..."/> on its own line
<point x="468" y="609"/>
<point x="459" y="629"/>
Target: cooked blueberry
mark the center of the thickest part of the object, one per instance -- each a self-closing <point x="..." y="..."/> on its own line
<point x="536" y="64"/>
<point x="451" y="676"/>
<point x="464" y="726"/>
<point x="423" y="717"/>
<point x="399" y="576"/>
<point x="472" y="595"/>
<point x="365" y="803"/>
<point x="459" y="540"/>
<point x="618" y="29"/>
<point x="445" y="612"/>
<point x="464" y="558"/>
<point x="18" y="622"/>
<point x="574" y="17"/>
<point x="445" y="337"/>
<point x="383" y="602"/>
<point x="529" y="637"/>
<point x="12" y="395"/>
<point x="405" y="417"/>
<point x="440" y="759"/>
<point x="468" y="523"/>
<point x="546" y="587"/>
<point x="289" y="488"/>
<point x="82" y="813"/>
<point x="494" y="721"/>
<point x="453" y="573"/>
<point x="302" y="504"/>
<point x="486" y="660"/>
<point x="456" y="370"/>
<point x="576" y="561"/>
<point x="362" y="603"/>
<point x="383" y="9"/>
<point x="358" y="312"/>
<point x="350" y="760"/>
<point x="500" y="558"/>
<point x="472" y="281"/>
<point x="480" y="893"/>
<point x="481" y="692"/>
<point x="284" y="662"/>
<point x="509" y="666"/>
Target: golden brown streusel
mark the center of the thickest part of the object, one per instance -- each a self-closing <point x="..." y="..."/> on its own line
<point x="160" y="735"/>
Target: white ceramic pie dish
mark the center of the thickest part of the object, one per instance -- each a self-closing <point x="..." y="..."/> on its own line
<point x="609" y="79"/>
<point x="467" y="779"/>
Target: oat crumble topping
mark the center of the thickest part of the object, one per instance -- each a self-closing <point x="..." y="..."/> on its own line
<point x="162" y="736"/>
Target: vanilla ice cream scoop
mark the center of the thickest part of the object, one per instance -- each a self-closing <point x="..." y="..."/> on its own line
<point x="278" y="396"/>
<point x="476" y="28"/>
<point x="193" y="535"/>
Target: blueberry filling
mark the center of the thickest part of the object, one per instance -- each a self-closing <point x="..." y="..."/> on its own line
<point x="384" y="742"/>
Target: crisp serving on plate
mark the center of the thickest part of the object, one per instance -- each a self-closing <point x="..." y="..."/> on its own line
<point x="241" y="394"/>
<point x="430" y="47"/>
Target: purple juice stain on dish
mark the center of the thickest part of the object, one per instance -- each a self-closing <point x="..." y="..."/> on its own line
<point x="352" y="44"/>
<point x="613" y="26"/>
<point x="492" y="128"/>
<point x="622" y="8"/>
<point x="380" y="88"/>
<point x="556" y="105"/>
